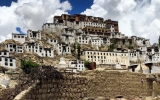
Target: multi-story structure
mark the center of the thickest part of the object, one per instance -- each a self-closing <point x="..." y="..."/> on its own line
<point x="34" y="35"/>
<point x="7" y="61"/>
<point x="53" y="27"/>
<point x="83" y="39"/>
<point x="18" y="37"/>
<point x="63" y="49"/>
<point x="13" y="46"/>
<point x="107" y="57"/>
<point x="67" y="30"/>
<point x="35" y="47"/>
<point x="112" y="23"/>
<point x="79" y="64"/>
<point x="96" y="41"/>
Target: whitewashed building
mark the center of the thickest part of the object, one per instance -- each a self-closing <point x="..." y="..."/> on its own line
<point x="83" y="39"/>
<point x="96" y="41"/>
<point x="92" y="24"/>
<point x="68" y="39"/>
<point x="4" y="53"/>
<point x="14" y="46"/>
<point x="34" y="35"/>
<point x="107" y="57"/>
<point x="53" y="27"/>
<point x="53" y="42"/>
<point x="19" y="37"/>
<point x="79" y="64"/>
<point x="7" y="61"/>
<point x="63" y="49"/>
<point x="34" y="47"/>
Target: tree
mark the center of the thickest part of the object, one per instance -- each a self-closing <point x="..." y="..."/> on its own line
<point x="112" y="46"/>
<point x="86" y="62"/>
<point x="27" y="65"/>
<point x="79" y="51"/>
<point x="130" y="47"/>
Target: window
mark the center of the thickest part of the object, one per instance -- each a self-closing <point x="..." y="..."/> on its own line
<point x="6" y="64"/>
<point x="11" y="64"/>
<point x="22" y="36"/>
<point x="18" y="36"/>
<point x="0" y="53"/>
<point x="5" y="53"/>
<point x="0" y="59"/>
<point x="11" y="60"/>
<point x="6" y="59"/>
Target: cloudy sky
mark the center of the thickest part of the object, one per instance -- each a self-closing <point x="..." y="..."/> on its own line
<point x="136" y="17"/>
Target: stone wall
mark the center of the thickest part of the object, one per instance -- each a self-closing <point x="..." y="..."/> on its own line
<point x="69" y="87"/>
<point x="94" y="84"/>
<point x="59" y="85"/>
<point x="115" y="83"/>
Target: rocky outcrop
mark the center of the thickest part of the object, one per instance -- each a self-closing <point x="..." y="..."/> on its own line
<point x="4" y="80"/>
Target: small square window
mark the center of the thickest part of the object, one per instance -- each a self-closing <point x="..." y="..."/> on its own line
<point x="11" y="60"/>
<point x="11" y="64"/>
<point x="6" y="59"/>
<point x="6" y="64"/>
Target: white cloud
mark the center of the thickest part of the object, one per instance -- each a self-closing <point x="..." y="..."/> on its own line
<point x="29" y="14"/>
<point x="136" y="17"/>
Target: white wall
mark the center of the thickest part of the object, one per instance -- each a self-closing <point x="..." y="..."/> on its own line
<point x="79" y="64"/>
<point x="96" y="42"/>
<point x="107" y="57"/>
<point x="83" y="39"/>
<point x="8" y="62"/>
<point x="4" y="53"/>
<point x="18" y="37"/>
<point x="52" y="27"/>
<point x="30" y="34"/>
<point x="36" y="48"/>
<point x="54" y="42"/>
<point x="60" y="49"/>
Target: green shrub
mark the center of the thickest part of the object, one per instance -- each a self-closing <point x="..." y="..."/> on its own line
<point x="130" y="47"/>
<point x="86" y="62"/>
<point x="28" y="65"/>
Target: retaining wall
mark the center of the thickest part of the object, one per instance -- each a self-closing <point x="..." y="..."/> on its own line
<point x="91" y="84"/>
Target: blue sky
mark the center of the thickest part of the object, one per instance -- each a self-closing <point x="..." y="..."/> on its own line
<point x="6" y="2"/>
<point x="136" y="17"/>
<point x="78" y="6"/>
